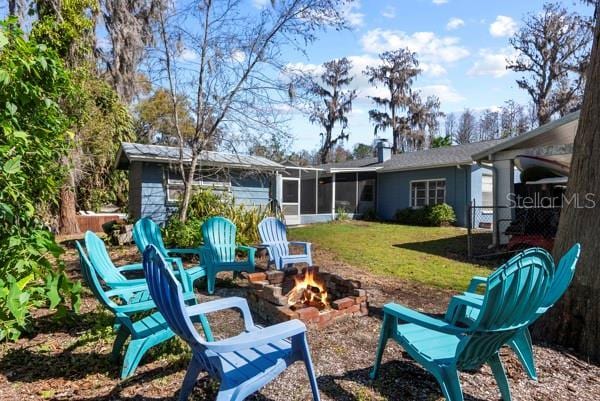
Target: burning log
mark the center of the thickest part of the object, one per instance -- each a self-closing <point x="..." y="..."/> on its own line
<point x="308" y="291"/>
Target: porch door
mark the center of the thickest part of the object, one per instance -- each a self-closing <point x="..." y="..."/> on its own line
<point x="290" y="204"/>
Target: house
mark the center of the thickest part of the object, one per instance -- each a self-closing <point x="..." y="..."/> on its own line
<point x="155" y="181"/>
<point x="379" y="185"/>
<point x="543" y="157"/>
<point x="387" y="183"/>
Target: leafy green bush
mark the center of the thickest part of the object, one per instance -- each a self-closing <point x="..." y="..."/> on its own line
<point x="370" y="215"/>
<point x="437" y="215"/>
<point x="33" y="140"/>
<point x="441" y="215"/>
<point x="341" y="214"/>
<point x="206" y="203"/>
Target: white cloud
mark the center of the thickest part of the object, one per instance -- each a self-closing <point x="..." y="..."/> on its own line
<point x="429" y="47"/>
<point x="188" y="55"/>
<point x="445" y="93"/>
<point x="389" y="12"/>
<point x="238" y="56"/>
<point x="454" y="23"/>
<point x="260" y="3"/>
<point x="439" y="2"/>
<point x="492" y="63"/>
<point x="350" y="12"/>
<point x="503" y="26"/>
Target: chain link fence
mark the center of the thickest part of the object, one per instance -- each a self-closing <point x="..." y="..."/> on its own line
<point x="516" y="228"/>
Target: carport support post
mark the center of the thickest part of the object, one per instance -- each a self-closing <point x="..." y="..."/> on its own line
<point x="504" y="180"/>
<point x="333" y="196"/>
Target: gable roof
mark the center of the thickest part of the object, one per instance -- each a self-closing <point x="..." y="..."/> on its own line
<point x="437" y="157"/>
<point x="130" y="152"/>
<point x="364" y="164"/>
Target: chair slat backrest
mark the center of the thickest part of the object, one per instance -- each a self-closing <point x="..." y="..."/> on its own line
<point x="273" y="232"/>
<point x="100" y="259"/>
<point x="565" y="270"/>
<point x="218" y="234"/>
<point x="167" y="294"/>
<point x="513" y="294"/>
<point x="147" y="232"/>
<point x="89" y="275"/>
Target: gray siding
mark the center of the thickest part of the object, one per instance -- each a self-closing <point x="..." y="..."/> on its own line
<point x="393" y="190"/>
<point x="250" y="189"/>
<point x="148" y="196"/>
<point x="154" y="195"/>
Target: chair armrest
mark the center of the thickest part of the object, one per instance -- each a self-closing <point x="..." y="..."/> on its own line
<point x="306" y="245"/>
<point x="185" y="251"/>
<point x="136" y="307"/>
<point x="245" y="248"/>
<point x="118" y="292"/>
<point x="457" y="304"/>
<point x="476" y="281"/>
<point x="258" y="337"/>
<point x="181" y="271"/>
<point x="128" y="283"/>
<point x="410" y="316"/>
<point x="221" y="304"/>
<point x="250" y="250"/>
<point x="130" y="267"/>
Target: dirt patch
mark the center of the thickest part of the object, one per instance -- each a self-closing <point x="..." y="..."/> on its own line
<point x="72" y="361"/>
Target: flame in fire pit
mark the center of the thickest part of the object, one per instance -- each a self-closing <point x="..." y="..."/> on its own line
<point x="308" y="291"/>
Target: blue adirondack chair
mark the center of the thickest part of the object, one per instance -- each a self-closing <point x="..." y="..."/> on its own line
<point x="145" y="332"/>
<point x="514" y="293"/>
<point x="243" y="363"/>
<point x="465" y="312"/>
<point x="219" y="250"/>
<point x="146" y="232"/>
<point x="273" y="236"/>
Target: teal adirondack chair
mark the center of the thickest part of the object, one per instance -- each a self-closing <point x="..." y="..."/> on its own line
<point x="243" y="363"/>
<point x="467" y="313"/>
<point x="219" y="250"/>
<point x="513" y="294"/>
<point x="147" y="232"/>
<point x="145" y="332"/>
<point x="274" y="237"/>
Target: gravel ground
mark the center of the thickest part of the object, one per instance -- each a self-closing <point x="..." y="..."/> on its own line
<point x="72" y="361"/>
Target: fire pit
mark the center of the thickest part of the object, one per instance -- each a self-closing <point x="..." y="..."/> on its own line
<point x="314" y="297"/>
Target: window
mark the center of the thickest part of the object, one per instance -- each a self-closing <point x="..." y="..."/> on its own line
<point x="427" y="192"/>
<point x="487" y="193"/>
<point x="209" y="177"/>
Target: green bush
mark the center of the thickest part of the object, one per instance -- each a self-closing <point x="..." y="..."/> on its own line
<point x="370" y="215"/>
<point x="206" y="203"/>
<point x="341" y="214"/>
<point x="436" y="216"/>
<point x="33" y="140"/>
<point x="441" y="215"/>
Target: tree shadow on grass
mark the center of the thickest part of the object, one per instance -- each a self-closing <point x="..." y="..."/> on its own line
<point x="454" y="248"/>
<point x="398" y="380"/>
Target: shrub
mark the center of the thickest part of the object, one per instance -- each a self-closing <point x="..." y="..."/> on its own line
<point x="33" y="139"/>
<point x="370" y="215"/>
<point x="441" y="215"/>
<point x="341" y="214"/>
<point x="206" y="203"/>
<point x="437" y="215"/>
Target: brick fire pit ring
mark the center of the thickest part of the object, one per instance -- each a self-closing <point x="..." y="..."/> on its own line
<point x="267" y="297"/>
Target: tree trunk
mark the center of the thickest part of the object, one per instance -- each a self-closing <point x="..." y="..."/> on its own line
<point x="575" y="320"/>
<point x="188" y="188"/>
<point x="68" y="211"/>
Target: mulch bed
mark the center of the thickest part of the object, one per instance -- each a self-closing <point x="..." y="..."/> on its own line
<point x="72" y="361"/>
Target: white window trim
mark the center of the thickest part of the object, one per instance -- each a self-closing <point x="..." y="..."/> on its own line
<point x="291" y="179"/>
<point x="410" y="192"/>
<point x="225" y="185"/>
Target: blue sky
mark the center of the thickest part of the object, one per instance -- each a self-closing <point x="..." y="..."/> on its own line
<point x="461" y="44"/>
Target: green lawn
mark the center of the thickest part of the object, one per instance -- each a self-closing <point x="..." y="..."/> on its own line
<point x="433" y="256"/>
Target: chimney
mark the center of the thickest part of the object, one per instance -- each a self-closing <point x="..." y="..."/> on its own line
<point x="384" y="151"/>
